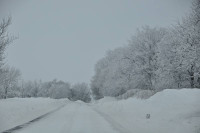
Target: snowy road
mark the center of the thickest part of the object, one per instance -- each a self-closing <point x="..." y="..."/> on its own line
<point x="74" y="118"/>
<point x="172" y="111"/>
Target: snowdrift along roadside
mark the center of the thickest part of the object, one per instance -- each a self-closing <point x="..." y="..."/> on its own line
<point x="171" y="111"/>
<point x="16" y="111"/>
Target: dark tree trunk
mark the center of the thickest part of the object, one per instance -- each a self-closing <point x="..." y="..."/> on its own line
<point x="192" y="80"/>
<point x="191" y="73"/>
<point x="198" y="81"/>
<point x="6" y="93"/>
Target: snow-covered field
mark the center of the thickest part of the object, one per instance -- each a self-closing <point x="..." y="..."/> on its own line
<point x="171" y="111"/>
<point x="16" y="111"/>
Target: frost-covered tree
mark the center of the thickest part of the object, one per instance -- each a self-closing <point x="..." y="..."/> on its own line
<point x="8" y="80"/>
<point x="30" y="88"/>
<point x="110" y="79"/>
<point x="144" y="49"/>
<point x="53" y="89"/>
<point x="80" y="91"/>
<point x="60" y="89"/>
<point x="5" y="39"/>
<point x="131" y="67"/>
<point x="155" y="59"/>
<point x="181" y="50"/>
<point x="98" y="79"/>
<point x="170" y="74"/>
<point x="45" y="89"/>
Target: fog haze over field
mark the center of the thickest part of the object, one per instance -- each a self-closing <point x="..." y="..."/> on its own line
<point x="64" y="39"/>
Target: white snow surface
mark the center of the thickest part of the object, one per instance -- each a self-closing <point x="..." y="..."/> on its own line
<point x="16" y="111"/>
<point x="171" y="111"/>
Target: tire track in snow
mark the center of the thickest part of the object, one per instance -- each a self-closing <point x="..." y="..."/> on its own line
<point x="114" y="124"/>
<point x="12" y="130"/>
<point x="71" y="119"/>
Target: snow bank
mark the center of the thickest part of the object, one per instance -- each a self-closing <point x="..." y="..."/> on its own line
<point x="106" y="99"/>
<point x="16" y="111"/>
<point x="137" y="93"/>
<point x="171" y="111"/>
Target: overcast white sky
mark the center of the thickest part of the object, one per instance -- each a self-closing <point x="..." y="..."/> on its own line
<point x="64" y="39"/>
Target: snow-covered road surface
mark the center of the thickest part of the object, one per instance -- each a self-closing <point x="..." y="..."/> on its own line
<point x="172" y="111"/>
<point x="74" y="118"/>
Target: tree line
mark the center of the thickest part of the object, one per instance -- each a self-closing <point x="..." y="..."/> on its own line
<point x="154" y="59"/>
<point x="12" y="85"/>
